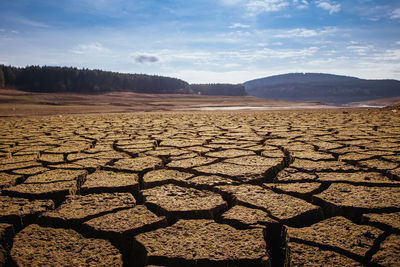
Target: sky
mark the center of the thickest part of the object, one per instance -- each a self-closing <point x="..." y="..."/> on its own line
<point x="205" y="41"/>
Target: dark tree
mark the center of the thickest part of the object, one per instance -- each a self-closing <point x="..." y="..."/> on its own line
<point x="73" y="80"/>
<point x="218" y="89"/>
<point x="2" y="80"/>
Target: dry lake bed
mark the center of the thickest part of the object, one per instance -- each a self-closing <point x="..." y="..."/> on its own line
<point x="240" y="188"/>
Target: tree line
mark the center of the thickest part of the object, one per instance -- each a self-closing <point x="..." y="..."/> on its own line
<point x="219" y="89"/>
<point x="73" y="80"/>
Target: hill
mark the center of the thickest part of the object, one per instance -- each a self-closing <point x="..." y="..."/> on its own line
<point x="72" y="80"/>
<point x="326" y="88"/>
<point x="48" y="79"/>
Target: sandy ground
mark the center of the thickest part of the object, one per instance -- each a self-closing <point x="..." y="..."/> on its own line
<point x="17" y="103"/>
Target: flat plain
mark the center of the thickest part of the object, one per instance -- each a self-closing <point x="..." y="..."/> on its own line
<point x="250" y="188"/>
<point x="19" y="103"/>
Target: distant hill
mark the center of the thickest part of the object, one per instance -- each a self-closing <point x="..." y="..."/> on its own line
<point x="326" y="88"/>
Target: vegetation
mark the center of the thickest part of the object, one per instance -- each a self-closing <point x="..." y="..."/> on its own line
<point x="2" y="82"/>
<point x="219" y="89"/>
<point x="73" y="80"/>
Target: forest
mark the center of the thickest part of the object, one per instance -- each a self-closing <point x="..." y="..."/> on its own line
<point x="50" y="79"/>
<point x="219" y="89"/>
<point x="73" y="80"/>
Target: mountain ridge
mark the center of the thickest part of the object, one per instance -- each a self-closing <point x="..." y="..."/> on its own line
<point x="322" y="87"/>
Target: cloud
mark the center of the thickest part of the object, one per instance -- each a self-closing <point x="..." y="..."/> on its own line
<point x="288" y="53"/>
<point x="230" y="2"/>
<point x="29" y="22"/>
<point x="106" y="8"/>
<point x="232" y="65"/>
<point x="225" y="60"/>
<point x="332" y="8"/>
<point x="304" y="33"/>
<point x="360" y="50"/>
<point x="301" y="4"/>
<point x="389" y="55"/>
<point x="92" y="48"/>
<point x="239" y="25"/>
<point x="395" y="14"/>
<point x="300" y="32"/>
<point x="255" y="7"/>
<point x="143" y="59"/>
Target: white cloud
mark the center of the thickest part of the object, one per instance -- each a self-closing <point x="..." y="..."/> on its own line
<point x="231" y="65"/>
<point x="360" y="50"/>
<point x="398" y="42"/>
<point x="251" y="55"/>
<point x="300" y="32"/>
<point x="233" y="37"/>
<point x="395" y="14"/>
<point x="321" y="62"/>
<point x="227" y="60"/>
<point x="389" y="55"/>
<point x="373" y="19"/>
<point x="304" y="2"/>
<point x="288" y="53"/>
<point x="239" y="25"/>
<point x="230" y="2"/>
<point x="92" y="48"/>
<point x="255" y="7"/>
<point x="304" y="33"/>
<point x="332" y="8"/>
<point x="301" y="4"/>
<point x="242" y="34"/>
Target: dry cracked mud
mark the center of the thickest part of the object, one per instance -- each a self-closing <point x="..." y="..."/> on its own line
<point x="277" y="188"/>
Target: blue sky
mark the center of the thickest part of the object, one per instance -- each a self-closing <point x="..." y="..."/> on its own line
<point x="204" y="41"/>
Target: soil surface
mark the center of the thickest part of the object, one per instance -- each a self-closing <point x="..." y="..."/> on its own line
<point x="241" y="188"/>
<point x="20" y="103"/>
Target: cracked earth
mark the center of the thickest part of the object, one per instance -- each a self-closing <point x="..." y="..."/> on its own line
<point x="299" y="188"/>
